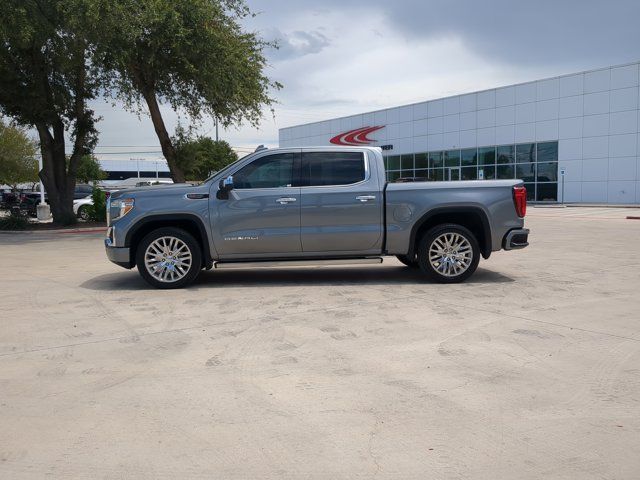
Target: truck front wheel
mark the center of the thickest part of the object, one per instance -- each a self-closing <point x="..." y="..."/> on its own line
<point x="169" y="258"/>
<point x="448" y="253"/>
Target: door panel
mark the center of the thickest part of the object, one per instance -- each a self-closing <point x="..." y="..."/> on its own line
<point x="258" y="221"/>
<point x="261" y="215"/>
<point x="346" y="216"/>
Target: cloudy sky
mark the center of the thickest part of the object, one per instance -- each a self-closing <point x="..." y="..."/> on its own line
<point x="343" y="57"/>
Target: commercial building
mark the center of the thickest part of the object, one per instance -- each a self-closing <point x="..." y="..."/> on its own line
<point x="572" y="138"/>
<point x="122" y="169"/>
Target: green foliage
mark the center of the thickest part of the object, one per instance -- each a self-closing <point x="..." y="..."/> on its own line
<point x="89" y="170"/>
<point x="98" y="211"/>
<point x="201" y="156"/>
<point x="14" y="222"/>
<point x="48" y="73"/>
<point x="18" y="163"/>
<point x="192" y="54"/>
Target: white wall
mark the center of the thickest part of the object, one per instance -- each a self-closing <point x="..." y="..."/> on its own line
<point x="594" y="115"/>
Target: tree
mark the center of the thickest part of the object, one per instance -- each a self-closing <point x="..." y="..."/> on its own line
<point x="18" y="163"/>
<point x="89" y="170"/>
<point x="191" y="54"/>
<point x="199" y="157"/>
<point x="47" y="77"/>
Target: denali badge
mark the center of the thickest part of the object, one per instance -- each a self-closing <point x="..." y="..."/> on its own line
<point x="240" y="238"/>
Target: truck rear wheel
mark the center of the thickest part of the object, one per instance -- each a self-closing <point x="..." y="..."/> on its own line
<point x="169" y="258"/>
<point x="448" y="253"/>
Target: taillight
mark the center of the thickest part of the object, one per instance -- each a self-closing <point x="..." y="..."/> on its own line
<point x="520" y="200"/>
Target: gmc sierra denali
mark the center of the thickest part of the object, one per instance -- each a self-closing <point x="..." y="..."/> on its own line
<point x="300" y="206"/>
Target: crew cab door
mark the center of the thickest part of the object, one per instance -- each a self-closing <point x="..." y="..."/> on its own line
<point x="261" y="216"/>
<point x="342" y="204"/>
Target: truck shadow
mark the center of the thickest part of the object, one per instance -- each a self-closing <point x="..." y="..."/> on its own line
<point x="284" y="277"/>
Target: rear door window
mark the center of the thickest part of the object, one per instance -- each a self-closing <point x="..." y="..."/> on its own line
<point x="332" y="168"/>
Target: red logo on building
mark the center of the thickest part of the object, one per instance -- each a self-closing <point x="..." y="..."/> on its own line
<point x="355" y="137"/>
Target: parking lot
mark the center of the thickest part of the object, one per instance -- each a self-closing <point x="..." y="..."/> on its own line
<point x="529" y="370"/>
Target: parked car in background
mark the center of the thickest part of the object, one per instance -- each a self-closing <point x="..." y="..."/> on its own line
<point x="82" y="190"/>
<point x="82" y="207"/>
<point x="149" y="183"/>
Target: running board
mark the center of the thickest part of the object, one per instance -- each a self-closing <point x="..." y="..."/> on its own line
<point x="299" y="263"/>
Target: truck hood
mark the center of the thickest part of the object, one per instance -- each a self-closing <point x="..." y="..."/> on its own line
<point x="155" y="190"/>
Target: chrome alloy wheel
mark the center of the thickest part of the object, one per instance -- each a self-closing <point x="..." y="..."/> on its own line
<point x="450" y="254"/>
<point x="168" y="259"/>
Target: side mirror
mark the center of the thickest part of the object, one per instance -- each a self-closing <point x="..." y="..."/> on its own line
<point x="224" y="187"/>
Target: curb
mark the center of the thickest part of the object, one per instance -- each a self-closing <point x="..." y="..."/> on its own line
<point x="63" y="230"/>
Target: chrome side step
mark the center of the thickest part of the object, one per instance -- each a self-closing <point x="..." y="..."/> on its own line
<point x="299" y="263"/>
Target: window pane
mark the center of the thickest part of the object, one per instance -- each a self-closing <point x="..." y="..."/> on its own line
<point x="469" y="156"/>
<point x="548" y="172"/>
<point x="436" y="174"/>
<point x="421" y="160"/>
<point x="272" y="171"/>
<point x="422" y="174"/>
<point x="506" y="172"/>
<point x="487" y="155"/>
<point x="406" y="162"/>
<point x="392" y="176"/>
<point x="452" y="158"/>
<point x="506" y="154"/>
<point x="333" y="168"/>
<point x="548" y="152"/>
<point x="487" y="173"/>
<point x="526" y="153"/>
<point x="393" y="162"/>
<point x="407" y="173"/>
<point x="435" y="159"/>
<point x="526" y="171"/>
<point x="547" y="192"/>
<point x="531" y="191"/>
<point x="469" y="173"/>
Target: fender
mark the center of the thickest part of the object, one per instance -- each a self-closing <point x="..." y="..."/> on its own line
<point x="173" y="217"/>
<point x="486" y="227"/>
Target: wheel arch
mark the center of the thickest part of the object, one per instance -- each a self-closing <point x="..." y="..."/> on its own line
<point x="473" y="218"/>
<point x="187" y="222"/>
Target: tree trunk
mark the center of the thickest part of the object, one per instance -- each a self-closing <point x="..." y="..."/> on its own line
<point x="58" y="185"/>
<point x="161" y="131"/>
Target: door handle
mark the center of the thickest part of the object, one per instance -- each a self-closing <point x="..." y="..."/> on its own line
<point x="365" y="198"/>
<point x="285" y="200"/>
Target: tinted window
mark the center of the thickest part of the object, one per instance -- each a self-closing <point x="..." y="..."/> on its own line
<point x="452" y="158"/>
<point x="469" y="156"/>
<point x="548" y="152"/>
<point x="272" y="171"/>
<point x="526" y="153"/>
<point x="421" y="160"/>
<point x="487" y="155"/>
<point x="506" y="154"/>
<point x="332" y="168"/>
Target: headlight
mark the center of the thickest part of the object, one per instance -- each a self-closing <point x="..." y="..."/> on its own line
<point x="120" y="207"/>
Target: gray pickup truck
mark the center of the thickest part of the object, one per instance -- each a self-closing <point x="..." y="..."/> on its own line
<point x="301" y="206"/>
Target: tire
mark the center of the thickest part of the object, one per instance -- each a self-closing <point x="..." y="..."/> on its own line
<point x="83" y="213"/>
<point x="459" y="262"/>
<point x="157" y="247"/>
<point x="409" y="263"/>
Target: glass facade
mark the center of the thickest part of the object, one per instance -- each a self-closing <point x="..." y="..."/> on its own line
<point x="536" y="164"/>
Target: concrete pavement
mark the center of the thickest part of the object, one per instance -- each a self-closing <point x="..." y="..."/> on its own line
<point x="530" y="370"/>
